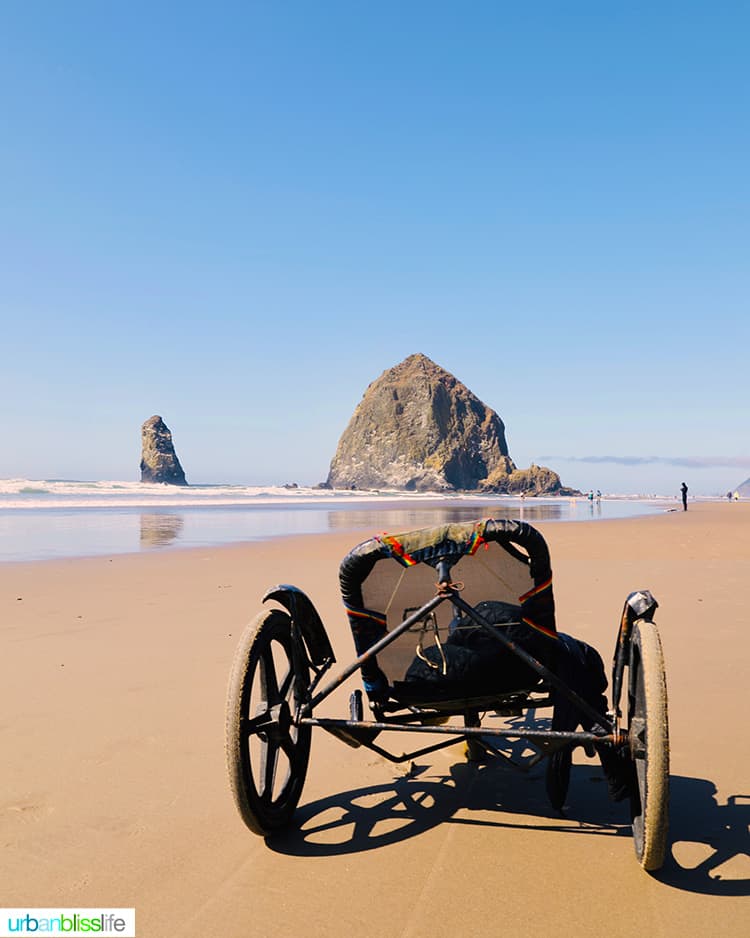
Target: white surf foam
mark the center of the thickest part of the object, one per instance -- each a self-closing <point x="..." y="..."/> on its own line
<point x="69" y="493"/>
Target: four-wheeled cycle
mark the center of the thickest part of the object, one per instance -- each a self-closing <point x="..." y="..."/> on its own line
<point x="455" y="635"/>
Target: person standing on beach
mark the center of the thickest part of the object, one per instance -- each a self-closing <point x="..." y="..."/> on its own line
<point x="684" y="490"/>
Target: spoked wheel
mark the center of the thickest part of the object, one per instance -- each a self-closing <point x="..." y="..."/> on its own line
<point x="648" y="733"/>
<point x="267" y="755"/>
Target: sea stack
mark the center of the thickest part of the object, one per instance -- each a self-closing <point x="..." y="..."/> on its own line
<point x="159" y="462"/>
<point x="418" y="429"/>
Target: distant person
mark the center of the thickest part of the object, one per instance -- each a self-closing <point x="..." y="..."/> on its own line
<point x="591" y="495"/>
<point x="684" y="490"/>
<point x="736" y="496"/>
<point x="598" y="495"/>
<point x="729" y="495"/>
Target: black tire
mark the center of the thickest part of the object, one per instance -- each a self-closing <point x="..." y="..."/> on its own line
<point x="267" y="755"/>
<point x="648" y="733"/>
<point x="557" y="777"/>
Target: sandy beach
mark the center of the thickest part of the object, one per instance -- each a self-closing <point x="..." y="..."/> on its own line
<point x="112" y="692"/>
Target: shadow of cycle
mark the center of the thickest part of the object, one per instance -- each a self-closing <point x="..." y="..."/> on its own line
<point x="375" y="816"/>
<point x="709" y="842"/>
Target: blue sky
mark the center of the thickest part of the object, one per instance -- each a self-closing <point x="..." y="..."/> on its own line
<point x="237" y="215"/>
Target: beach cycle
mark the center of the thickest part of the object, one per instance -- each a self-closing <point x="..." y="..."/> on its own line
<point x="455" y="637"/>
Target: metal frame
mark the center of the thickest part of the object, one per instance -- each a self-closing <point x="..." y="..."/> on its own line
<point x="359" y="732"/>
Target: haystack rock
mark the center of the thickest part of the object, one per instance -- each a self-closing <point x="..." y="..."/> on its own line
<point x="159" y="462"/>
<point x="419" y="429"/>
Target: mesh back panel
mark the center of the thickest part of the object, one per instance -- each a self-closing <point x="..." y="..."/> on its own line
<point x="398" y="591"/>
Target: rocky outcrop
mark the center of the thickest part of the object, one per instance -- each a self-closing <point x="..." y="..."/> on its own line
<point x="537" y="480"/>
<point x="159" y="462"/>
<point x="418" y="428"/>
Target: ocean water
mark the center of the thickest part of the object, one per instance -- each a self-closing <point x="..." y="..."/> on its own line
<point x="42" y="520"/>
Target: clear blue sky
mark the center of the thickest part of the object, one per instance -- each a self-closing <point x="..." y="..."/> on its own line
<point x="237" y="215"/>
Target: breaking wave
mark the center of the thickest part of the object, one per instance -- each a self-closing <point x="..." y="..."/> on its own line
<point x="70" y="493"/>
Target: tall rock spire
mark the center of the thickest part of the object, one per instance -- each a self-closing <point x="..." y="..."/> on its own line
<point x="159" y="462"/>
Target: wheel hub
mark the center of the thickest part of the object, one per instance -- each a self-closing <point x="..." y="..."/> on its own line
<point x="637" y="738"/>
<point x="280" y="721"/>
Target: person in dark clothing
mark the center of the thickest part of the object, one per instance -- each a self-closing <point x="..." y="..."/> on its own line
<point x="684" y="490"/>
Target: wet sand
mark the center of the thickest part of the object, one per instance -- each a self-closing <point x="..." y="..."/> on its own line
<point x="112" y="689"/>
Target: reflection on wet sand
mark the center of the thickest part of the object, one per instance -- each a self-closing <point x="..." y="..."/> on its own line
<point x="405" y="519"/>
<point x="160" y="530"/>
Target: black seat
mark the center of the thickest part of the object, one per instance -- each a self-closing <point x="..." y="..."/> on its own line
<point x="470" y="663"/>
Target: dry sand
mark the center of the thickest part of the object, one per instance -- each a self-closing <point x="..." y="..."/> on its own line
<point x="113" y="676"/>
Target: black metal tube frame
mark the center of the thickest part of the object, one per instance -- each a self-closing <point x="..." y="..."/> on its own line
<point x="447" y="591"/>
<point x="551" y="735"/>
<point x="546" y="740"/>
